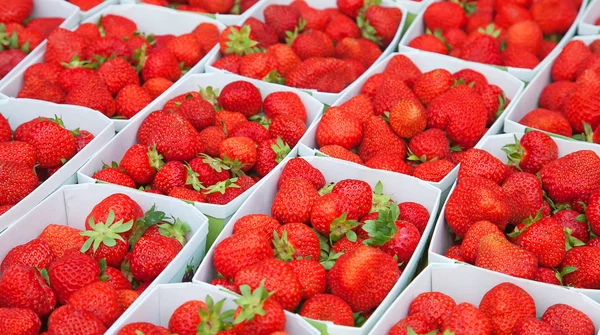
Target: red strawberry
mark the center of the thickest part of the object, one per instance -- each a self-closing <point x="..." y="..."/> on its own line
<point x="260" y="223"/>
<point x="131" y="100"/>
<point x="568" y="320"/>
<point x="20" y="321"/>
<point x="350" y="7"/>
<point x="523" y="193"/>
<point x="18" y="152"/>
<point x="99" y="299"/>
<point x="378" y="138"/>
<point x="315" y="19"/>
<point x="161" y="64"/>
<point x="467" y="319"/>
<point x="571" y="220"/>
<point x="583" y="106"/>
<point x="48" y="71"/>
<point x="474" y="234"/>
<point x="294" y="201"/>
<point x="187" y="49"/>
<point x="63" y="45"/>
<point x="554" y="17"/>
<point x="567" y="62"/>
<point x="340" y="27"/>
<point x="241" y="250"/>
<point x="288" y="128"/>
<point x="35" y="253"/>
<point x="433" y="306"/>
<point x="322" y="74"/>
<point x="141" y="163"/>
<point x="17" y="181"/>
<point x="427" y="42"/>
<point x="519" y="57"/>
<point x="172" y="174"/>
<point x="433" y="171"/>
<point x="285" y="56"/>
<point x="295" y="240"/>
<point x="532" y="152"/>
<point x="530" y="326"/>
<point x="384" y="21"/>
<point x="415" y="323"/>
<point x="282" y="18"/>
<point x="269" y="153"/>
<point x="362" y="50"/>
<point x="544" y="238"/>
<point x="117" y="26"/>
<point x="340" y="152"/>
<point x="429" y="145"/>
<point x="392" y="90"/>
<point x="479" y="163"/>
<point x="483" y="49"/>
<point x="210" y="170"/>
<point x="70" y="320"/>
<point x="407" y="118"/>
<point x="151" y="255"/>
<point x="89" y="31"/>
<point x="61" y="239"/>
<point x="114" y="175"/>
<point x="505" y="304"/>
<point x="264" y="34"/>
<point x="187" y="317"/>
<point x="444" y="16"/>
<point x="327" y="307"/>
<point x="300" y="168"/>
<point x="71" y="77"/>
<point x="402" y="67"/>
<point x="288" y="103"/>
<point x="175" y="138"/>
<point x="432" y="84"/>
<point x="336" y="128"/>
<point x="241" y="96"/>
<point x="41" y="89"/>
<point x="24" y="287"/>
<point x="259" y="66"/>
<point x="388" y="162"/>
<point x="5" y="131"/>
<point x="157" y="86"/>
<point x="311" y="275"/>
<point x="118" y="73"/>
<point x="93" y="94"/>
<point x="117" y="279"/>
<point x="258" y="313"/>
<point x="183" y="193"/>
<point x="313" y="44"/>
<point x="547" y="120"/>
<point x="585" y="272"/>
<point x="16" y="12"/>
<point x="498" y="254"/>
<point x="72" y="272"/>
<point x="105" y="47"/>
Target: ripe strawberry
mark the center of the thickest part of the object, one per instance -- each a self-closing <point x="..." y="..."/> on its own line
<point x="336" y="128"/>
<point x="118" y="73"/>
<point x="151" y="255"/>
<point x="321" y="74"/>
<point x="261" y="223"/>
<point x="300" y="168"/>
<point x="264" y="34"/>
<point x="402" y="67"/>
<point x="327" y="213"/>
<point x="187" y="49"/>
<point x="479" y="163"/>
<point x="70" y="320"/>
<point x="355" y="196"/>
<point x="568" y="320"/>
<point x="71" y="77"/>
<point x="497" y="254"/>
<point x="467" y="319"/>
<point x="61" y="238"/>
<point x="288" y="128"/>
<point x="258" y="312"/>
<point x="505" y="305"/>
<point x="172" y="174"/>
<point x="141" y="163"/>
<point x="117" y="279"/>
<point x="475" y="199"/>
<point x="282" y="18"/>
<point x="586" y="271"/>
<point x="5" y="131"/>
<point x="122" y="207"/>
<point x="229" y="120"/>
<point x="285" y="56"/>
<point x="554" y="17"/>
<point x="567" y="62"/>
<point x="284" y="103"/>
<point x="157" y="86"/>
<point x="431" y="84"/>
<point x="175" y="137"/>
<point x="495" y="102"/>
<point x="240" y="149"/>
<point x="114" y="175"/>
<point x="359" y="107"/>
<point x="105" y="47"/>
<point x="17" y="181"/>
<point x="327" y="307"/>
<point x="19" y="321"/>
<point x="433" y="306"/>
<point x="269" y="153"/>
<point x="444" y="16"/>
<point x="582" y="106"/>
<point x="63" y="45"/>
<point x="378" y="138"/>
<point x="259" y="66"/>
<point x="392" y="90"/>
<point x="429" y="145"/>
<point x="41" y="89"/>
<point x="252" y="130"/>
<point x="389" y="163"/>
<point x="24" y="287"/>
<point x="532" y="152"/>
<point x="16" y="11"/>
<point x="341" y="27"/>
<point x="161" y="64"/>
<point x="48" y="71"/>
<point x="9" y="60"/>
<point x="127" y="298"/>
<point x="416" y="323"/>
<point x="18" y="152"/>
<point x="35" y="253"/>
<point x="89" y="31"/>
<point x="93" y="94"/>
<point x="117" y="26"/>
<point x="72" y="272"/>
<point x="225" y="191"/>
<point x="472" y="78"/>
<point x="433" y="171"/>
<point x="568" y="218"/>
<point x="315" y="19"/>
<point x="187" y="317"/>
<point x="483" y="49"/>
<point x="523" y="193"/>
<point x="353" y="276"/>
<point x="547" y="120"/>
<point x="530" y="326"/>
<point x="384" y="21"/>
<point x="470" y="244"/>
<point x="295" y="240"/>
<point x="240" y="250"/>
<point x="99" y="299"/>
<point x="526" y="35"/>
<point x="131" y="100"/>
<point x="241" y="96"/>
<point x="361" y="50"/>
<point x="313" y="44"/>
<point x="518" y="57"/>
<point x="340" y="152"/>
<point x="311" y="275"/>
<point x="407" y="118"/>
<point x="183" y="193"/>
<point x="294" y="201"/>
<point x="544" y="238"/>
<point x="82" y="139"/>
<point x="427" y="42"/>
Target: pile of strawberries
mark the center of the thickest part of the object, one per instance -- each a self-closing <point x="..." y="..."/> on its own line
<point x="18" y="35"/>
<point x="258" y="313"/>
<point x="506" y="309"/>
<point x="346" y="263"/>
<point x="211" y="156"/>
<point x="206" y="6"/>
<point x="518" y="218"/>
<point x="80" y="282"/>
<point x="515" y="33"/>
<point x="304" y="47"/>
<point x="113" y="68"/>
<point x="438" y="112"/>
<point x="569" y="106"/>
<point x="35" y="152"/>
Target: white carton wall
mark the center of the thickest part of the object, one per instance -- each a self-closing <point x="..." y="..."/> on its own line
<point x="469" y="284"/>
<point x="442" y="239"/>
<point x="418" y="28"/>
<point x="529" y="100"/>
<point x="71" y="204"/>
<point x="19" y="111"/>
<point x="401" y="187"/>
<point x="587" y="24"/>
<point x="511" y="86"/>
<point x="328" y="98"/>
<point x="149" y="19"/>
<point x="115" y="150"/>
<point x="160" y="303"/>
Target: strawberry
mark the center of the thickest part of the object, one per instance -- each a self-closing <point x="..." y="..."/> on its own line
<point x="285" y="56"/>
<point x="131" y="100"/>
<point x="252" y="130"/>
<point x="282" y="18"/>
<point x="108" y="244"/>
<point x="532" y="152"/>
<point x="117" y="279"/>
<point x="299" y="168"/>
<point x="71" y="77"/>
<point x="402" y="67"/>
<point x="433" y="171"/>
<point x="183" y="193"/>
<point x="583" y="106"/>
<point x="431" y="84"/>
<point x="315" y="19"/>
<point x="53" y="143"/>
<point x="17" y="181"/>
<point x="475" y="199"/>
<point x="412" y="324"/>
<point x="241" y="96"/>
<point x="236" y="40"/>
<point x="429" y="43"/>
<point x="336" y="128"/>
<point x="567" y="62"/>
<point x="433" y="306"/>
<point x="118" y="73"/>
<point x="554" y="17"/>
<point x="261" y="223"/>
<point x="568" y="320"/>
<point x="132" y="328"/>
<point x="284" y="103"/>
<point x="294" y="201"/>
<point x="82" y="139"/>
<point x="277" y="276"/>
<point x="19" y="321"/>
<point x="350" y="7"/>
<point x="429" y="145"/>
<point x="88" y="31"/>
<point x="479" y="163"/>
<point x="72" y="272"/>
<point x="117" y="26"/>
<point x="24" y="287"/>
<point x="5" y="131"/>
<point x="353" y="276"/>
<point x="524" y="194"/>
<point x="518" y="57"/>
<point x="547" y="120"/>
<point x="380" y="23"/>
<point x="161" y="64"/>
<point x="311" y="275"/>
<point x="544" y="238"/>
<point x="61" y="238"/>
<point x="239" y="151"/>
<point x="157" y="86"/>
<point x="568" y="218"/>
<point x="264" y="34"/>
<point x="472" y="78"/>
<point x="240" y="250"/>
<point x="210" y="170"/>
<point x="584" y="270"/>
<point x="593" y="212"/>
<point x="187" y="49"/>
<point x="392" y="90"/>
<point x="483" y="49"/>
<point x="258" y="312"/>
<point x="127" y="298"/>
<point x="389" y="163"/>
<point x="99" y="299"/>
<point x="414" y="213"/>
<point x="41" y="89"/>
<point x="70" y="320"/>
<point x="63" y="45"/>
<point x="526" y="35"/>
<point x="495" y="102"/>
<point x="187" y="317"/>
<point x="288" y="128"/>
<point x="313" y="44"/>
<point x="15" y="11"/>
<point x="321" y="74"/>
<point x="359" y="107"/>
<point x="152" y="255"/>
<point x="105" y="47"/>
<point x="497" y="254"/>
<point x="378" y="138"/>
<point x="259" y="66"/>
<point x="474" y="234"/>
<point x="93" y="94"/>
<point x="141" y="163"/>
<point x="48" y="71"/>
<point x="269" y="153"/>
<point x="530" y="326"/>
<point x="341" y="27"/>
<point x="340" y="152"/>
<point x="327" y="307"/>
<point x="355" y="197"/>
<point x="408" y="118"/>
<point x="505" y="304"/>
<point x="328" y="216"/>
<point x="467" y="319"/>
<point x="295" y="240"/>
<point x="35" y="253"/>
<point x="18" y="152"/>
<point x="114" y="175"/>
<point x="362" y="50"/>
<point x="9" y="60"/>
<point x="444" y="15"/>
<point x="172" y="174"/>
<point x="175" y="138"/>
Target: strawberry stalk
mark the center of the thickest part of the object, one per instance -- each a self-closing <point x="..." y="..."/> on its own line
<point x="222" y="186"/>
<point x="151" y="217"/>
<point x="281" y="149"/>
<point x="107" y="233"/>
<point x="380" y="200"/>
<point x="341" y="227"/>
<point x="384" y="227"/>
<point x="213" y="320"/>
<point x="251" y="302"/>
<point x="283" y="249"/>
<point x="240" y="42"/>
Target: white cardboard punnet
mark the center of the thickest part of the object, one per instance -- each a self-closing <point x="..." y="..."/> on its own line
<point x="529" y="100"/>
<point x="418" y="28"/>
<point x="328" y="98"/>
<point x="442" y="239"/>
<point x="160" y="303"/>
<point x="71" y="204"/>
<point x="115" y="150"/>
<point x="401" y="187"/>
<point x="511" y="86"/>
<point x="19" y="111"/>
<point x="469" y="284"/>
<point x="149" y="19"/>
<point x="587" y="24"/>
<point x="46" y="8"/>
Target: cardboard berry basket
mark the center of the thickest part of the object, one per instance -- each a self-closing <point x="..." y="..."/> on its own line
<point x="46" y="8"/>
<point x="418" y="28"/>
<point x="218" y="214"/>
<point x="511" y="86"/>
<point x="71" y="204"/>
<point x="587" y="24"/>
<point x="18" y="111"/>
<point x="442" y="239"/>
<point x="159" y="303"/>
<point x="226" y="19"/>
<point x="469" y="284"/>
<point x="530" y="98"/>
<point x="327" y="98"/>
<point x="149" y="19"/>
<point x="401" y="187"/>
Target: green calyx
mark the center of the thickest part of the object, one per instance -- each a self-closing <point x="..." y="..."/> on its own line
<point x="240" y="43"/>
<point x="156" y="159"/>
<point x="570" y="241"/>
<point x="281" y="149"/>
<point x="222" y="186"/>
<point x="213" y="320"/>
<point x="290" y="36"/>
<point x="588" y="134"/>
<point x="282" y="247"/>
<point x="274" y="77"/>
<point x="367" y="30"/>
<point x="526" y="224"/>
<point x="563" y="272"/>
<point x="192" y="179"/>
<point x="439" y="35"/>
<point x="76" y="62"/>
<point x="251" y="303"/>
<point x="384" y="227"/>
<point x="341" y="227"/>
<point x="514" y="153"/>
<point x="235" y="166"/>
<point x="210" y="94"/>
<point x="102" y="265"/>
<point x="106" y="233"/>
<point x="326" y="189"/>
<point x="177" y="230"/>
<point x="139" y="57"/>
<point x="380" y="201"/>
<point x="215" y="163"/>
<point x="11" y="41"/>
<point x="502" y="102"/>
<point x="151" y="217"/>
<point x="327" y="257"/>
<point x="491" y="30"/>
<point x="262" y="120"/>
<point x="410" y="331"/>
